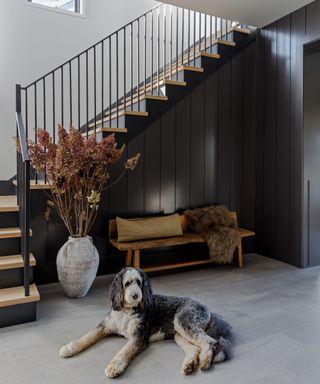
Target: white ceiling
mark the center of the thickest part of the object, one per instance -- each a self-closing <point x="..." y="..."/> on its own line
<point x="257" y="13"/>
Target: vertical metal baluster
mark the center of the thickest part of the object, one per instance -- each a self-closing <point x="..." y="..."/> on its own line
<point x="226" y="30"/>
<point x="221" y="24"/>
<point x="205" y="32"/>
<point x="188" y="37"/>
<point x="151" y="39"/>
<point x="70" y="91"/>
<point x="53" y="108"/>
<point x="87" y="95"/>
<point x="211" y="20"/>
<point x="117" y="77"/>
<point x="215" y="28"/>
<point x="131" y="67"/>
<point x="194" y="37"/>
<point x="182" y="37"/>
<point x="177" y="40"/>
<point x="26" y="112"/>
<point x="138" y="63"/>
<point x="102" y="82"/>
<point x="158" y="49"/>
<point x="95" y="88"/>
<point x="124" y="68"/>
<point x="35" y="123"/>
<point x="200" y="18"/>
<point x="171" y="53"/>
<point x="164" y="40"/>
<point x="44" y="117"/>
<point x="62" y="99"/>
<point x="145" y="54"/>
<point x="79" y="103"/>
<point x="110" y="82"/>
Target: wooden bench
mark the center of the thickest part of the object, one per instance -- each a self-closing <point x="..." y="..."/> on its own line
<point x="133" y="248"/>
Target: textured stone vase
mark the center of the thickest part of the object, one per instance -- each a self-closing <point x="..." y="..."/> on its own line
<point x="77" y="265"/>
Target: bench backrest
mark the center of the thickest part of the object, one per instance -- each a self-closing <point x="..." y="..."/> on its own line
<point x="113" y="233"/>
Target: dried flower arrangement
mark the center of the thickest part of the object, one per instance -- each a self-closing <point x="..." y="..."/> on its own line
<point x="77" y="170"/>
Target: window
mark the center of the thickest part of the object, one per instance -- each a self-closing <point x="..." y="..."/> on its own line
<point x="74" y="6"/>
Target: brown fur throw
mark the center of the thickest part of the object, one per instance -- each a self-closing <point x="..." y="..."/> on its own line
<point x="217" y="226"/>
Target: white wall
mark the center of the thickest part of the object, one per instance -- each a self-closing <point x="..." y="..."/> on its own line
<point x="34" y="40"/>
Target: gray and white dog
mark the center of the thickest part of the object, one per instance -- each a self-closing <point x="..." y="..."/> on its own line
<point x="142" y="317"/>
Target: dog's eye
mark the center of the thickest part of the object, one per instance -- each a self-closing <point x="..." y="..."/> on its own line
<point x="139" y="283"/>
<point x="127" y="284"/>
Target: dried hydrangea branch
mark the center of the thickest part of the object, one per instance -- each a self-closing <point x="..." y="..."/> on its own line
<point x="78" y="170"/>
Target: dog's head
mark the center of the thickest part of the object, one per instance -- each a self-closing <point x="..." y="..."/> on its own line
<point x="130" y="288"/>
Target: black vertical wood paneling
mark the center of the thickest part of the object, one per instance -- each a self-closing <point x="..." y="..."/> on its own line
<point x="167" y="188"/>
<point x="224" y="134"/>
<point x="270" y="141"/>
<point x="282" y="207"/>
<point x="135" y="192"/>
<point x="183" y="154"/>
<point x="210" y="139"/>
<point x="248" y="136"/>
<point x="237" y="149"/>
<point x="197" y="152"/>
<point x="296" y="134"/>
<point x="152" y="169"/>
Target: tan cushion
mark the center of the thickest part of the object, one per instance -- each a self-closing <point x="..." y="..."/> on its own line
<point x="152" y="228"/>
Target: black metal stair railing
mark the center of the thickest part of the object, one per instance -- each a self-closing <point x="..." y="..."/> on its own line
<point x="23" y="191"/>
<point x="94" y="88"/>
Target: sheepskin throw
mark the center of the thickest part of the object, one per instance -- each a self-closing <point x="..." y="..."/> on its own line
<point x="218" y="228"/>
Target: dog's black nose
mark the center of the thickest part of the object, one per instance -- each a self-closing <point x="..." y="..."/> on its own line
<point x="135" y="296"/>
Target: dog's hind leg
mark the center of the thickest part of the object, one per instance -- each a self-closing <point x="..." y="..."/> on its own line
<point x="86" y="341"/>
<point x="191" y="325"/>
<point x="191" y="361"/>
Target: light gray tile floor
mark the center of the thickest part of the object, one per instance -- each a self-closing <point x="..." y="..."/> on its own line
<point x="273" y="307"/>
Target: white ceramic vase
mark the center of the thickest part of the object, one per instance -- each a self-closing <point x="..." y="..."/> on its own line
<point x="77" y="265"/>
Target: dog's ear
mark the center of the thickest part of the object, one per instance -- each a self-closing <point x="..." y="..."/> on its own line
<point x="146" y="291"/>
<point x="116" y="292"/>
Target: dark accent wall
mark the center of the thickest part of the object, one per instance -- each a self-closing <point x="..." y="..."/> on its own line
<point x="281" y="198"/>
<point x="201" y="151"/>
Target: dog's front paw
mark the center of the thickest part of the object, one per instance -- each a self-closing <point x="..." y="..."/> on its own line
<point x="206" y="358"/>
<point x="67" y="351"/>
<point x="189" y="365"/>
<point x="115" y="368"/>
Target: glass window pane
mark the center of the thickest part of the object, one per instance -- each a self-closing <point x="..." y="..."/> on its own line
<point x="67" y="5"/>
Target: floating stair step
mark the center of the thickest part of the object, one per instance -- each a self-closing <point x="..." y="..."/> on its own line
<point x="9" y="233"/>
<point x="8" y="204"/>
<point x="39" y="184"/>
<point x="157" y="97"/>
<point x="192" y="69"/>
<point x="107" y="130"/>
<point x="242" y="30"/>
<point x="210" y="55"/>
<point x="227" y="42"/>
<point x="15" y="296"/>
<point x="177" y="83"/>
<point x="14" y="261"/>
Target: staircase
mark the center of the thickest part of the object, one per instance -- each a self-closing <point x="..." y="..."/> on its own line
<point x="118" y="85"/>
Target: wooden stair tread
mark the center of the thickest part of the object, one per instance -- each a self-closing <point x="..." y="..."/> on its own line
<point x="210" y="55"/>
<point x="105" y="129"/>
<point x="15" y="296"/>
<point x="242" y="30"/>
<point x="15" y="261"/>
<point x="9" y="233"/>
<point x="8" y="204"/>
<point x="173" y="82"/>
<point x="173" y="265"/>
<point x="226" y="42"/>
<point x="39" y="184"/>
<point x="192" y="69"/>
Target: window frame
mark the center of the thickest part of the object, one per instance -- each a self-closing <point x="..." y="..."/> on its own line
<point x="79" y="4"/>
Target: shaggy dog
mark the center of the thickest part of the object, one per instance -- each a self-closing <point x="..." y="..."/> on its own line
<point x="142" y="317"/>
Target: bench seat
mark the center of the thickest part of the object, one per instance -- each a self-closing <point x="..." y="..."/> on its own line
<point x="133" y="248"/>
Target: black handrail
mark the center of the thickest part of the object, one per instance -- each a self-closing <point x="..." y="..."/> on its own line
<point x="23" y="195"/>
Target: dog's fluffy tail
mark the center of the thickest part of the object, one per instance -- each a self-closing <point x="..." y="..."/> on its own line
<point x="221" y="331"/>
<point x="222" y="350"/>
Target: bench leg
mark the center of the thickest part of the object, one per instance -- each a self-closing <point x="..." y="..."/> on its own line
<point x="240" y="258"/>
<point x="136" y="258"/>
<point x="129" y="258"/>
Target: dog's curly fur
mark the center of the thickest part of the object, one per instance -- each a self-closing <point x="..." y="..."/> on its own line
<point x="142" y="317"/>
